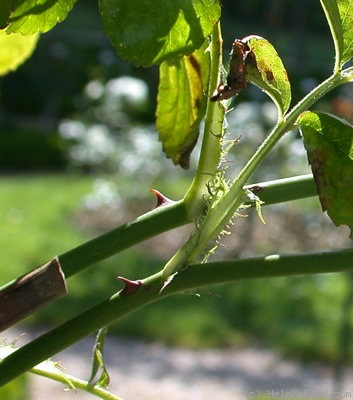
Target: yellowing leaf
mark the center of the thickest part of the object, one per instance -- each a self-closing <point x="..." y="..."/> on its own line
<point x="181" y="104"/>
<point x="329" y="145"/>
<point x="15" y="49"/>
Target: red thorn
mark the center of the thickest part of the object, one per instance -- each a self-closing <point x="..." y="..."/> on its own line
<point x="161" y="199"/>
<point x="130" y="287"/>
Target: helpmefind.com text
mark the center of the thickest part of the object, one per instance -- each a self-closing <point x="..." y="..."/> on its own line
<point x="297" y="394"/>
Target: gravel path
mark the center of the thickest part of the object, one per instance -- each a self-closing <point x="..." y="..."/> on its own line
<point x="141" y="371"/>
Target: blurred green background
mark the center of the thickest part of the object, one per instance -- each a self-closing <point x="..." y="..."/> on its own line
<point x="79" y="154"/>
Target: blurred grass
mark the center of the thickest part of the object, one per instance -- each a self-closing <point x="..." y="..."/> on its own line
<point x="36" y="219"/>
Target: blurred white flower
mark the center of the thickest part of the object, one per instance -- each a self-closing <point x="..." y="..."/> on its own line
<point x="132" y="91"/>
<point x="104" y="194"/>
<point x="94" y="90"/>
<point x="95" y="145"/>
<point x="70" y="129"/>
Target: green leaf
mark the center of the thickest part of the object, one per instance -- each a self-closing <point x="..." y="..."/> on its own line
<point x="329" y="145"/>
<point x="265" y="69"/>
<point x="14" y="50"/>
<point x="149" y="32"/>
<point x="98" y="364"/>
<point x="339" y="14"/>
<point x="32" y="16"/>
<point x="5" y="10"/>
<point x="181" y="104"/>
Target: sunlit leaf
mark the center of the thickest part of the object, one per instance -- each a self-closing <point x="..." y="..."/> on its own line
<point x="346" y="14"/>
<point x="181" y="104"/>
<point x="32" y="16"/>
<point x="14" y="50"/>
<point x="329" y="145"/>
<point x="339" y="14"/>
<point x="265" y="69"/>
<point x="149" y="32"/>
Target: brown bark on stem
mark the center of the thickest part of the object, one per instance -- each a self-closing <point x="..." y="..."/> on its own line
<point x="30" y="292"/>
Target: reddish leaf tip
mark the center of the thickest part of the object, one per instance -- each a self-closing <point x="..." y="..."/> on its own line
<point x="236" y="79"/>
<point x="161" y="199"/>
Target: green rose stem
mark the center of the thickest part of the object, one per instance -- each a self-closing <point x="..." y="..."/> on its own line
<point x="162" y="219"/>
<point x="73" y="382"/>
<point x="283" y="190"/>
<point x="149" y="291"/>
<point x="46" y="283"/>
<point x="213" y="132"/>
<point x="222" y="212"/>
<point x="14" y="297"/>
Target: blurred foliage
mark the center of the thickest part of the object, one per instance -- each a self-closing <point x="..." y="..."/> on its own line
<point x="37" y="213"/>
<point x="22" y="151"/>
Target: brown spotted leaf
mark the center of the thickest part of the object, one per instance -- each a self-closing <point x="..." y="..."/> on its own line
<point x="329" y="145"/>
<point x="265" y="70"/>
